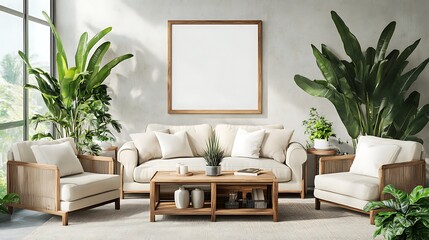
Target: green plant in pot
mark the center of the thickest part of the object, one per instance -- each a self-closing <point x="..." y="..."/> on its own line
<point x="406" y="215"/>
<point x="370" y="91"/>
<point x="77" y="100"/>
<point x="319" y="129"/>
<point x="213" y="156"/>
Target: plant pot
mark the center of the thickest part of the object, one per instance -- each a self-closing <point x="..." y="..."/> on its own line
<point x="321" y="144"/>
<point x="212" y="170"/>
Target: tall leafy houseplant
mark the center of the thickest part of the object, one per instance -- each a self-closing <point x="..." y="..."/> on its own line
<point x="77" y="101"/>
<point x="369" y="92"/>
<point x="407" y="215"/>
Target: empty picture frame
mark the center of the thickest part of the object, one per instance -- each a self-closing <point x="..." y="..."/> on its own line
<point x="215" y="66"/>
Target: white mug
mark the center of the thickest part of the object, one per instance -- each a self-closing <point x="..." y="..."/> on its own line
<point x="183" y="169"/>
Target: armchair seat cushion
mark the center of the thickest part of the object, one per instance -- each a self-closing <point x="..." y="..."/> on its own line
<point x="349" y="184"/>
<point x="86" y="184"/>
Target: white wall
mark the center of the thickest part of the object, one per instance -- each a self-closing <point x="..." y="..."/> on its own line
<point x="139" y="86"/>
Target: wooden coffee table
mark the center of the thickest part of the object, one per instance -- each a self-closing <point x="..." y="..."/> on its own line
<point x="220" y="186"/>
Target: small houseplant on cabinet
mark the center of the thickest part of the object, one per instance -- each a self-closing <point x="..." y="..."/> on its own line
<point x="213" y="156"/>
<point x="319" y="129"/>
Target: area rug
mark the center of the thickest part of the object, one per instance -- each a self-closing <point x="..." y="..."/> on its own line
<point x="297" y="220"/>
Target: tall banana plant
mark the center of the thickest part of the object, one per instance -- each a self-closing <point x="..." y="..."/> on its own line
<point x="77" y="101"/>
<point x="370" y="92"/>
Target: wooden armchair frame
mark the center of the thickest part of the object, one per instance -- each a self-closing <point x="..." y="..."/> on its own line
<point x="38" y="185"/>
<point x="404" y="176"/>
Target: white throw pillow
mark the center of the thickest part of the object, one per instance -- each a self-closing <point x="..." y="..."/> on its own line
<point x="369" y="158"/>
<point x="174" y="145"/>
<point x="62" y="155"/>
<point x="247" y="144"/>
<point x="147" y="145"/>
<point x="275" y="143"/>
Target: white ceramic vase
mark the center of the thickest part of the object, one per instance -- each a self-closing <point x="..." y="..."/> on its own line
<point x="197" y="196"/>
<point x="181" y="198"/>
<point x="321" y="144"/>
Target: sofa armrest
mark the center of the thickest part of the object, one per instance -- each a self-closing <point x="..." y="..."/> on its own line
<point x="335" y="164"/>
<point x="38" y="185"/>
<point x="128" y="157"/>
<point x="404" y="176"/>
<point x="296" y="156"/>
<point x="97" y="164"/>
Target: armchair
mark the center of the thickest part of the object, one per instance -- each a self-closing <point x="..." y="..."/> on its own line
<point x="41" y="187"/>
<point x="336" y="185"/>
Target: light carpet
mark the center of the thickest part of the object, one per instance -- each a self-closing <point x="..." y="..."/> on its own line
<point x="297" y="220"/>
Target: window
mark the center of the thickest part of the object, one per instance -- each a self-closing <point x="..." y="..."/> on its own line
<point x="26" y="30"/>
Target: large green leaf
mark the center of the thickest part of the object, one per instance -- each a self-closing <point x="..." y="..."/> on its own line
<point x="58" y="41"/>
<point x="80" y="52"/>
<point x="420" y="121"/>
<point x="384" y="40"/>
<point x="325" y="67"/>
<point x="418" y="193"/>
<point x="105" y="71"/>
<point x="96" y="58"/>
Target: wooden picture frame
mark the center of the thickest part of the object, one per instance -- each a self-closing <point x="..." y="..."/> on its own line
<point x="215" y="66"/>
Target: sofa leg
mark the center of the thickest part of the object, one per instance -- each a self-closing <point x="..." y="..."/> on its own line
<point x="118" y="204"/>
<point x="302" y="194"/>
<point x="316" y="204"/>
<point x="122" y="194"/>
<point x="65" y="218"/>
<point x="372" y="214"/>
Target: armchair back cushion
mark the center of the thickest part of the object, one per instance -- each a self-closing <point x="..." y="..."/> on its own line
<point x="226" y="134"/>
<point x="61" y="155"/>
<point x="21" y="151"/>
<point x="198" y="135"/>
<point x="410" y="150"/>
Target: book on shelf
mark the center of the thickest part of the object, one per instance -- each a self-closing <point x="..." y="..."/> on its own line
<point x="248" y="172"/>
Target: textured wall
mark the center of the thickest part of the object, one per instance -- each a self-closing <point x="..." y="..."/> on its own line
<point x="139" y="86"/>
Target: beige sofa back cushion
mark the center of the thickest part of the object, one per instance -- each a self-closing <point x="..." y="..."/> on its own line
<point x="198" y="135"/>
<point x="226" y="134"/>
<point x="147" y="145"/>
<point x="410" y="150"/>
<point x="22" y="150"/>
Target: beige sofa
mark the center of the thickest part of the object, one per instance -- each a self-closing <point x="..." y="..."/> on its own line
<point x="136" y="174"/>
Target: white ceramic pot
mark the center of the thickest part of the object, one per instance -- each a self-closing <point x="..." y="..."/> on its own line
<point x="181" y="198"/>
<point x="321" y="144"/>
<point x="197" y="196"/>
<point x="212" y="170"/>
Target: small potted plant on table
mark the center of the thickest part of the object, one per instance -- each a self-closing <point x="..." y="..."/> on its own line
<point x="319" y="129"/>
<point x="213" y="156"/>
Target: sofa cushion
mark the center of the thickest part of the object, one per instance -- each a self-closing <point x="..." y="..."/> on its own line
<point x="226" y="134"/>
<point x="247" y="144"/>
<point x="198" y="135"/>
<point x="60" y="155"/>
<point x="87" y="184"/>
<point x="22" y="150"/>
<point x="369" y="158"/>
<point x="174" y="145"/>
<point x="410" y="150"/>
<point x="282" y="172"/>
<point x="147" y="145"/>
<point x="275" y="143"/>
<point x="349" y="184"/>
<point x="144" y="172"/>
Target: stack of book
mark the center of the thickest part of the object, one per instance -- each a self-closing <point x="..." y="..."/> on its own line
<point x="248" y="172"/>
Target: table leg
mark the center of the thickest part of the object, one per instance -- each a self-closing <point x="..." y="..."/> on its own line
<point x="213" y="202"/>
<point x="153" y="196"/>
<point x="275" y="199"/>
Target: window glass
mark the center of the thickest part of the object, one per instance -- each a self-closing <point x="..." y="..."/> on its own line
<point x="11" y="68"/>
<point x="36" y="7"/>
<point x="7" y="138"/>
<point x="12" y="4"/>
<point x="39" y="53"/>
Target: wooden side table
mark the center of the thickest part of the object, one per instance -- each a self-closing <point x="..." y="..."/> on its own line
<point x="317" y="154"/>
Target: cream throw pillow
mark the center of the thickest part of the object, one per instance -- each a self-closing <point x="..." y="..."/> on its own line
<point x="62" y="155"/>
<point x="275" y="143"/>
<point x="369" y="158"/>
<point x="174" y="145"/>
<point x="147" y="145"/>
<point x="247" y="144"/>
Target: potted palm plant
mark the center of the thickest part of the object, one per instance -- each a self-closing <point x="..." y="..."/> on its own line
<point x="213" y="156"/>
<point x="319" y="129"/>
<point x="406" y="215"/>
